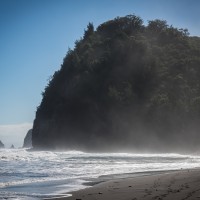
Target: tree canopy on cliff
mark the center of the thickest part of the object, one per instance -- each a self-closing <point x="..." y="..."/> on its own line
<point x="122" y="84"/>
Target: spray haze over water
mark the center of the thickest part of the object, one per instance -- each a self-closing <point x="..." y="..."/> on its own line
<point x="35" y="175"/>
<point x="126" y="87"/>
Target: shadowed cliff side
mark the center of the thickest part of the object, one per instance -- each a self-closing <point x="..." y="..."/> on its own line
<point x="124" y="87"/>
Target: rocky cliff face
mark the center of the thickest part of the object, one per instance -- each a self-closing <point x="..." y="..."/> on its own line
<point x="1" y="144"/>
<point x="125" y="86"/>
<point x="28" y="140"/>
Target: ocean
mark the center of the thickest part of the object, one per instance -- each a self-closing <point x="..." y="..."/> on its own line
<point x="33" y="175"/>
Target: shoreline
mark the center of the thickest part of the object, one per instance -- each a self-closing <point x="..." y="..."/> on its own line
<point x="164" y="185"/>
<point x="110" y="177"/>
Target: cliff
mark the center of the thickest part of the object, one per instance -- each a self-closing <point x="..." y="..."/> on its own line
<point x="1" y="145"/>
<point x="28" y="140"/>
<point x="125" y="86"/>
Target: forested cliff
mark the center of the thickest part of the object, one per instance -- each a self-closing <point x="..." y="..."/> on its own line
<point x="124" y="86"/>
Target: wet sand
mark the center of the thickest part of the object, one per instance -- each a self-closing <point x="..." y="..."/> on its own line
<point x="177" y="185"/>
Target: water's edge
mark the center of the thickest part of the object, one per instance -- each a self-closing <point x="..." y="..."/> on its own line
<point x="105" y="178"/>
<point x="90" y="182"/>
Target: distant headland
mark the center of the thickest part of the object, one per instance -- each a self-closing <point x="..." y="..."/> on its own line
<point x="28" y="140"/>
<point x="1" y="145"/>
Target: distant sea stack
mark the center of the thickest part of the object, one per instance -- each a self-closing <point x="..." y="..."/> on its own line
<point x="28" y="140"/>
<point x="125" y="86"/>
<point x="1" y="145"/>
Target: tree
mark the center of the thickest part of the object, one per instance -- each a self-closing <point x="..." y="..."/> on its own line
<point x="89" y="31"/>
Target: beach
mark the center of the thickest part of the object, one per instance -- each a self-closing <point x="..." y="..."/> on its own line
<point x="176" y="185"/>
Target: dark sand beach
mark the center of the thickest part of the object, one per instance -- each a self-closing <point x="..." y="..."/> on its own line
<point x="177" y="185"/>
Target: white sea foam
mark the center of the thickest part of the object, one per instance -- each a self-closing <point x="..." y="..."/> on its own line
<point x="44" y="173"/>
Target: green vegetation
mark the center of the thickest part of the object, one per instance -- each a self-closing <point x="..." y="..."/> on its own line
<point x="125" y="85"/>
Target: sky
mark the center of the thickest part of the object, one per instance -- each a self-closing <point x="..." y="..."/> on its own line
<point x="35" y="36"/>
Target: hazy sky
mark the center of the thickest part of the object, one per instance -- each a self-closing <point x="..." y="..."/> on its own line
<point x="36" y="34"/>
